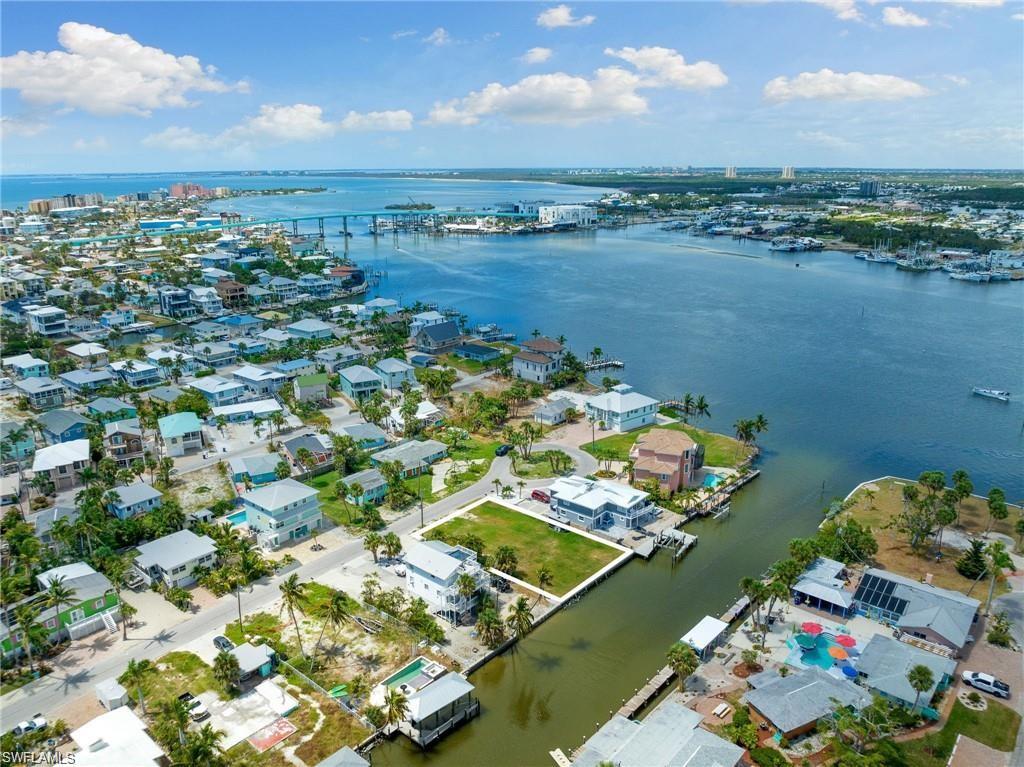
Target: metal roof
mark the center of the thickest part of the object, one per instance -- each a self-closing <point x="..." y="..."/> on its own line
<point x="438" y="694"/>
<point x="279" y="494"/>
<point x="174" y="550"/>
<point x="884" y="663"/>
<point x="793" y="701"/>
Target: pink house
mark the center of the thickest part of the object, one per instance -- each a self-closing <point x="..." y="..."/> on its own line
<point x="668" y="456"/>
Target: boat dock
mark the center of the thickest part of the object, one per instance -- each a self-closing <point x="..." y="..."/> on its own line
<point x="718" y="503"/>
<point x="675" y="540"/>
<point x="603" y="364"/>
<point x="645" y="694"/>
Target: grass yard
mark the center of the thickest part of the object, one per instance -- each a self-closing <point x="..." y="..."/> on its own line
<point x="174" y="673"/>
<point x="473" y="367"/>
<point x="538" y="467"/>
<point x="157" y="319"/>
<point x="996" y="727"/>
<point x="569" y="557"/>
<point x="894" y="552"/>
<point x="719" y="449"/>
<point x="333" y="508"/>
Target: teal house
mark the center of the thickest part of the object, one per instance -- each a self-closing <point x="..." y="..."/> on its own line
<point x="108" y="409"/>
<point x="256" y="469"/>
<point x="16" y="440"/>
<point x="282" y="511"/>
<point x="372" y="485"/>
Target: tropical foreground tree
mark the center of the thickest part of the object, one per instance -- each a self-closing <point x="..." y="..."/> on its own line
<point x="336" y="613"/>
<point x="684" y="661"/>
<point x="226" y="670"/>
<point x="135" y="675"/>
<point x="921" y="679"/>
<point x="520" y="619"/>
<point x="293" y="594"/>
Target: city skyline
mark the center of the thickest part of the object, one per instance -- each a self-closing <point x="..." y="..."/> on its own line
<point x="183" y="88"/>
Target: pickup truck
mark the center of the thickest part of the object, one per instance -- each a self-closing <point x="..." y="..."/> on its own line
<point x="38" y="722"/>
<point x="196" y="708"/>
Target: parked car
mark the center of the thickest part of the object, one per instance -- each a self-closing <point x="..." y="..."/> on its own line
<point x="134" y="581"/>
<point x="400" y="570"/>
<point x="223" y="644"/>
<point x="38" y="722"/>
<point x="6" y="383"/>
<point x="196" y="708"/>
<point x="986" y="683"/>
<point x="541" y="495"/>
<point x="502" y="450"/>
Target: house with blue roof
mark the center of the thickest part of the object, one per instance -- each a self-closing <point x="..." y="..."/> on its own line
<point x="367" y="435"/>
<point x="295" y="368"/>
<point x="108" y="409"/>
<point x="282" y="511"/>
<point x="255" y="470"/>
<point x="59" y="426"/>
<point x="219" y="391"/>
<point x="180" y="433"/>
<point x="246" y="345"/>
<point x="242" y="324"/>
<point x="395" y="372"/>
<point x="358" y="382"/>
<point x="134" y="499"/>
<point x="85" y="381"/>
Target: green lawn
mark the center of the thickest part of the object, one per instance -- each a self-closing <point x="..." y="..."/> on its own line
<point x="569" y="557"/>
<point x="719" y="450"/>
<point x="996" y="727"/>
<point x="538" y="467"/>
<point x="473" y="367"/>
<point x="334" y="508"/>
<point x="178" y="672"/>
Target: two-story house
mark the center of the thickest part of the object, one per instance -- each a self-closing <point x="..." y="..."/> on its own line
<point x="42" y="392"/>
<point x="215" y="355"/>
<point x="48" y="321"/>
<point x="358" y="382"/>
<point x="439" y="338"/>
<point x="539" y="359"/>
<point x="599" y="503"/>
<point x="172" y="361"/>
<point x="242" y="325"/>
<point x="336" y="358"/>
<point x="260" y="381"/>
<point x="119" y="318"/>
<point x="174" y="559"/>
<point x="232" y="293"/>
<point x="27" y="366"/>
<point x="16" y="440"/>
<point x="136" y="373"/>
<point x="294" y="368"/>
<point x="176" y="302"/>
<point x="60" y="426"/>
<point x="219" y="391"/>
<point x="134" y="499"/>
<point x="434" y="568"/>
<point x="62" y="463"/>
<point x="394" y="373"/>
<point x="621" y="409"/>
<point x="83" y="382"/>
<point x="123" y="441"/>
<point x="180" y="433"/>
<point x="206" y="299"/>
<point x="668" y="456"/>
<point x="282" y="511"/>
<point x="88" y="355"/>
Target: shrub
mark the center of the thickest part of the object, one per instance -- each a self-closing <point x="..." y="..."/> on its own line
<point x="972" y="564"/>
<point x="768" y="757"/>
<point x="974" y="698"/>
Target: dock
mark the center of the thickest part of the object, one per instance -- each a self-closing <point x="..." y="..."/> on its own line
<point x="643" y="696"/>
<point x="603" y="364"/>
<point x="718" y="503"/>
<point x="676" y="541"/>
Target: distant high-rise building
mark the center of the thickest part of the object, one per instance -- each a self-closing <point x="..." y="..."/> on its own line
<point x="39" y="207"/>
<point x="788" y="172"/>
<point x="869" y="188"/>
<point x="730" y="172"/>
<point x="221" y="191"/>
<point x="188" y="189"/>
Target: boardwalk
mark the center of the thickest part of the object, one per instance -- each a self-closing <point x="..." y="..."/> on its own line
<point x="654" y="685"/>
<point x="603" y="364"/>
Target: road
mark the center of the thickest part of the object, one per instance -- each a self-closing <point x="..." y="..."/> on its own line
<point x="60" y="687"/>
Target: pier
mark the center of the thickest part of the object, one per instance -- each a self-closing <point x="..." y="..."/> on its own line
<point x="603" y="364"/>
<point x="645" y="694"/>
<point x="676" y="541"/>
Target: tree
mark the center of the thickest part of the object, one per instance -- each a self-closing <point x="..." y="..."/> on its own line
<point x="336" y="612"/>
<point x="997" y="560"/>
<point x="921" y="679"/>
<point x="136" y="674"/>
<point x="465" y="586"/>
<point x="520" y="618"/>
<point x="25" y="616"/>
<point x="59" y="594"/>
<point x="489" y="627"/>
<point x="506" y="559"/>
<point x="684" y="661"/>
<point x="972" y="563"/>
<point x="282" y="470"/>
<point x="226" y="669"/>
<point x="392" y="545"/>
<point x="544" y="581"/>
<point x="396" y="707"/>
<point x="373" y="543"/>
<point x="293" y="594"/>
<point x="997" y="508"/>
<point x="963" y="487"/>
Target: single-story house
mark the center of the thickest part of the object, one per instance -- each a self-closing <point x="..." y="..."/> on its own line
<point x="63" y="426"/>
<point x="793" y="704"/>
<point x="173" y="559"/>
<point x="552" y="412"/>
<point x="17" y="439"/>
<point x="257" y="469"/>
<point x="165" y="394"/>
<point x="133" y="499"/>
<point x="258" y="659"/>
<point x="293" y="368"/>
<point x="479" y="352"/>
<point x="368" y="436"/>
<point x="416" y="456"/>
<point x="43" y="521"/>
<point x="319" y="446"/>
<point x="274" y="338"/>
<point x="422" y="360"/>
<point x="116" y="737"/>
<point x="10" y="489"/>
<point x="884" y="663"/>
<point x="311" y="388"/>
<point x="427" y="413"/>
<point x="823" y="587"/>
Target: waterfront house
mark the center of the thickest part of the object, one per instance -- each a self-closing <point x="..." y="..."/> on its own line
<point x="42" y="392"/>
<point x="416" y="456"/>
<point x="219" y="391"/>
<point x="365" y="311"/>
<point x="476" y="351"/>
<point x="310" y="329"/>
<point x="394" y="373"/>
<point x="215" y="355"/>
<point x="258" y="296"/>
<point x="232" y="293"/>
<point x="119" y="318"/>
<point x="621" y="409"/>
<point x="319" y="446"/>
<point x="538" y="360"/>
<point x="210" y="330"/>
<point x="108" y="409"/>
<point x="311" y="388"/>
<point x="59" y="426"/>
<point x="173" y="559"/>
<point x="17" y="439"/>
<point x="668" y="456"/>
<point x="93" y="607"/>
<point x="83" y="382"/>
<point x="48" y="321"/>
<point x="553" y="412"/>
<point x="88" y="355"/>
<point x="180" y="433"/>
<point x="433" y="571"/>
<point x="282" y="511"/>
<point x="439" y="338"/>
<point x="794" y="704"/>
<point x="254" y="469"/>
<point x="928" y="614"/>
<point x="283" y="289"/>
<point x="134" y="499"/>
<point x="822" y="586"/>
<point x="123" y="441"/>
<point x="368" y="436"/>
<point x="359" y="382"/>
<point x="708" y="634"/>
<point x="172" y="361"/>
<point x="176" y="302"/>
<point x="314" y="285"/>
<point x="242" y="325"/>
<point x="437" y="707"/>
<point x="424" y="319"/>
<point x="422" y="360"/>
<point x="275" y="339"/>
<point x="136" y="373"/>
<point x="260" y="381"/>
<point x="669" y="736"/>
<point x="205" y="299"/>
<point x="62" y="463"/>
<point x="599" y="503"/>
<point x="27" y="366"/>
<point x="335" y="358"/>
<point x="883" y="665"/>
<point x="372" y="484"/>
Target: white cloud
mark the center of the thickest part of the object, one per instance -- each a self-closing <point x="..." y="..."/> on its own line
<point x="1018" y="17"/>
<point x="666" y="68"/>
<point x="838" y="86"/>
<point x="391" y="120"/>
<point x="536" y="55"/>
<point x="109" y="74"/>
<point x="999" y="134"/>
<point x="438" y="37"/>
<point x="958" y="80"/>
<point x="845" y="10"/>
<point x="21" y="126"/>
<point x="98" y="144"/>
<point x="897" y="16"/>
<point x="275" y="124"/>
<point x="177" y="139"/>
<point x="403" y="33"/>
<point x="561" y="16"/>
<point x="825" y="139"/>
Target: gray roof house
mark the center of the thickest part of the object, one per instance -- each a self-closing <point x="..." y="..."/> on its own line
<point x="434" y="339"/>
<point x="883" y="665"/>
<point x="133" y="499"/>
<point x="793" y="704"/>
<point x="553" y="412"/>
<point x="415" y="455"/>
<point x="344" y="757"/>
<point x="173" y="558"/>
<point x="44" y="520"/>
<point x="373" y="484"/>
<point x="823" y="586"/>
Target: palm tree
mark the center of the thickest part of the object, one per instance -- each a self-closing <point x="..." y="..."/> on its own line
<point x="336" y="612"/>
<point x="688" y="402"/>
<point x="59" y="594"/>
<point x="506" y="559"/>
<point x="172" y="717"/>
<point x="136" y="674"/>
<point x="544" y="581"/>
<point x="294" y="595"/>
<point x="373" y="542"/>
<point x="684" y="661"/>
<point x="25" y="616"/>
<point x="489" y="627"/>
<point x="392" y="545"/>
<point x="201" y="748"/>
<point x="520" y="618"/>
<point x="465" y="586"/>
<point x="760" y="423"/>
<point x="921" y="679"/>
<point x="396" y="707"/>
<point x="701" y="408"/>
<point x="226" y="669"/>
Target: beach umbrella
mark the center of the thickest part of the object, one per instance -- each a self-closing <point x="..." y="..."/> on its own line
<point x="812" y="628"/>
<point x="845" y="640"/>
<point x="838" y="652"/>
<point x="849" y="671"/>
<point x="806" y="641"/>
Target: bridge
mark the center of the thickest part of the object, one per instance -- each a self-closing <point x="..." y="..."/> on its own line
<point x="395" y="214"/>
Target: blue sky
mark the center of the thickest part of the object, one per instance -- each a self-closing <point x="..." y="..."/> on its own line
<point x="93" y="87"/>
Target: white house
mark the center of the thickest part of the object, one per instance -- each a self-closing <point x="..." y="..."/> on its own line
<point x="173" y="559"/>
<point x="62" y="462"/>
<point x="259" y="380"/>
<point x="434" y="568"/>
<point x="116" y="737"/>
<point x="622" y="409"/>
<point x="539" y="359"/>
<point x="88" y="355"/>
<point x="567" y="215"/>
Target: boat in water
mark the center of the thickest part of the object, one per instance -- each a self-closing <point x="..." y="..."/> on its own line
<point x="970" y="276"/>
<point x="862" y="255"/>
<point x="917" y="264"/>
<point x="999" y="394"/>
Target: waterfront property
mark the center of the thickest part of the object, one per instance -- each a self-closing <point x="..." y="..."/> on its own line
<point x="88" y="355"/>
<point x="600" y="503"/>
<point x="823" y="587"/>
<point x="438" y="338"/>
<point x="180" y="433"/>
<point x="42" y="392"/>
<point x="706" y="636"/>
<point x="134" y="499"/>
<point x="434" y="568"/>
<point x="553" y="412"/>
<point x="416" y="456"/>
<point x="173" y="559"/>
<point x="884" y="663"/>
<point x="621" y="409"/>
<point x="282" y="511"/>
<point x="669" y="457"/>
<point x="538" y="360"/>
<point x="359" y="382"/>
<point x="62" y="463"/>
<point x="793" y="704"/>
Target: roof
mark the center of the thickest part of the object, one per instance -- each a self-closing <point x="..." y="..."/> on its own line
<point x="251" y="657"/>
<point x="137" y="492"/>
<point x="665" y="441"/>
<point x="309" y="326"/>
<point x="438" y="694"/>
<point x="165" y="393"/>
<point x="704" y="633"/>
<point x="621" y="399"/>
<point x="363" y="431"/>
<point x="411" y="453"/>
<point x="215" y="384"/>
<point x="595" y="493"/>
<point x="86" y="349"/>
<point x="315" y="443"/>
<point x="344" y="757"/>
<point x="368" y="479"/>
<point x="263" y="463"/>
<point x="65" y="453"/>
<point x="175" y="550"/>
<point x="59" y="421"/>
<point x="294" y="364"/>
<point x="278" y="494"/>
<point x="540" y="359"/>
<point x="273" y="334"/>
<point x="886" y="661"/>
<point x="117" y="737"/>
<point x="359" y="374"/>
<point x="259" y="407"/>
<point x="43" y="521"/>
<point x="85" y="376"/>
<point x="109" y="405"/>
<point x="432" y="560"/>
<point x="442" y="331"/>
<point x="337" y="352"/>
<point x="177" y="424"/>
<point x="543" y="344"/>
<point x="69" y="572"/>
<point x="37" y="384"/>
<point x="794" y="701"/>
<point x="23" y="361"/>
<point x="314" y="379"/>
<point x="826" y="592"/>
<point x="391" y="365"/>
<point x="254" y="373"/>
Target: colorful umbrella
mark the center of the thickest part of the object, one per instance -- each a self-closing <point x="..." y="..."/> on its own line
<point x="838" y="652"/>
<point x="849" y="671"/>
<point x="812" y="628"/>
<point x="845" y="640"/>
<point x="806" y="641"/>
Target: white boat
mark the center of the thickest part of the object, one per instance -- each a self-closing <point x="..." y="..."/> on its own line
<point x="970" y="276"/>
<point x="786" y="245"/>
<point x="880" y="257"/>
<point x="999" y="394"/>
<point x="862" y="255"/>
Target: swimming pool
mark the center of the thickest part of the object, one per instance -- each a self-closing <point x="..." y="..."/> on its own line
<point x="237" y="518"/>
<point x="712" y="480"/>
<point x="417" y="674"/>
